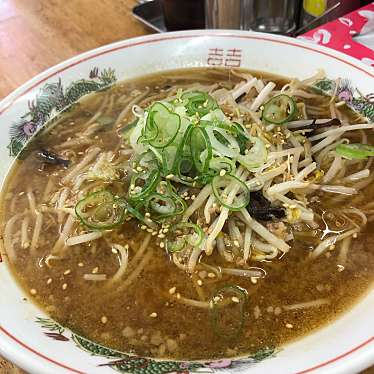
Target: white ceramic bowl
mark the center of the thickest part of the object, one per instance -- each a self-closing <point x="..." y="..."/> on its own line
<point x="26" y="333"/>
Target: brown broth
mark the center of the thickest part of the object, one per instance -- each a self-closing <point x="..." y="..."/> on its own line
<point x="127" y="324"/>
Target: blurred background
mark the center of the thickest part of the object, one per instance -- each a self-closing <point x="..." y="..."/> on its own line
<point x="287" y="17"/>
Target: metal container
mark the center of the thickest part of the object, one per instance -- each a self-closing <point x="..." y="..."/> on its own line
<point x="224" y="14"/>
<point x="184" y="14"/>
<point x="274" y="16"/>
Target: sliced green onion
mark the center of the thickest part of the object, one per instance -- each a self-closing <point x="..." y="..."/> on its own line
<point x="184" y="168"/>
<point x="165" y="203"/>
<point x="227" y="307"/>
<point x="222" y="141"/>
<point x="222" y="193"/>
<point x="168" y="155"/>
<point x="241" y="136"/>
<point x="183" y="234"/>
<point x="199" y="102"/>
<point x="150" y="130"/>
<point x="200" y="143"/>
<point x="213" y="118"/>
<point x="101" y="210"/>
<point x="179" y="202"/>
<point x="142" y="184"/>
<point x="147" y="160"/>
<point x="236" y="130"/>
<point x="134" y="211"/>
<point x="279" y="109"/>
<point x="355" y="151"/>
<point x="256" y="156"/>
<point x="222" y="163"/>
<point x="161" y="204"/>
<point x="162" y="126"/>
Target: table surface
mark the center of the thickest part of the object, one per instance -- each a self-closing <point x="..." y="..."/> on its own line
<point x="36" y="34"/>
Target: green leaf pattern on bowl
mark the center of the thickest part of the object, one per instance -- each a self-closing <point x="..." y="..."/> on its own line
<point x="52" y="99"/>
<point x="125" y="363"/>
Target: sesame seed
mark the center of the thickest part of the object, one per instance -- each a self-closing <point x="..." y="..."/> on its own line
<point x="104" y="319"/>
<point x="172" y="290"/>
<point x="200" y="282"/>
<point x="340" y="268"/>
<point x="355" y="235"/>
<point x="147" y="214"/>
<point x="95" y="270"/>
<point x="161" y="236"/>
<point x="143" y="227"/>
<point x="162" y="245"/>
<point x="222" y="172"/>
<point x="289" y="326"/>
<point x="33" y="291"/>
<point x="139" y="168"/>
<point x="64" y="286"/>
<point x="193" y="197"/>
<point x="67" y="272"/>
<point x="235" y="299"/>
<point x="49" y="281"/>
<point x="253" y="280"/>
<point x="236" y="243"/>
<point x="178" y="295"/>
<point x="170" y="176"/>
<point x="153" y="315"/>
<point x="211" y="275"/>
<point x="80" y="264"/>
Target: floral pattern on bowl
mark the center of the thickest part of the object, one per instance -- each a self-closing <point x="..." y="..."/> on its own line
<point x="125" y="363"/>
<point x="345" y="91"/>
<point x="52" y="99"/>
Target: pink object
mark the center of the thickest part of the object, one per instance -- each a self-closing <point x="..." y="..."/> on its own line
<point x="220" y="364"/>
<point x="339" y="34"/>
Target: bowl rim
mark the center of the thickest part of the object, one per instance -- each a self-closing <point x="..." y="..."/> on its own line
<point x="27" y="357"/>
